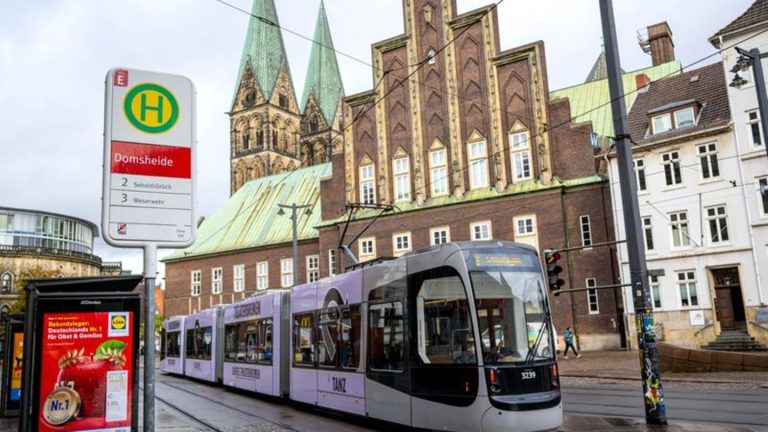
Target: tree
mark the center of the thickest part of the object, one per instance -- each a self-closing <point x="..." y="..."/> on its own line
<point x="21" y="282"/>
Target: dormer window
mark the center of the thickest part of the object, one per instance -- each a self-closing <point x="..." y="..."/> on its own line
<point x="662" y="123"/>
<point x="673" y="117"/>
<point x="684" y="117"/>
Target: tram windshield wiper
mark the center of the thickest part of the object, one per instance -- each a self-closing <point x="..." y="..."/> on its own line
<point x="539" y="336"/>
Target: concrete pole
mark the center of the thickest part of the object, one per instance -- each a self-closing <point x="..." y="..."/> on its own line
<point x="653" y="395"/>
<point x="150" y="270"/>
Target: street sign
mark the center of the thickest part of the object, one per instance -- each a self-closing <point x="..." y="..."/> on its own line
<point x="149" y="159"/>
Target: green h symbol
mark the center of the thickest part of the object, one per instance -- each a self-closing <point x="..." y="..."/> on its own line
<point x="157" y="108"/>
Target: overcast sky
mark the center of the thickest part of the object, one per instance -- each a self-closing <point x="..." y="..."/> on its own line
<point x="54" y="55"/>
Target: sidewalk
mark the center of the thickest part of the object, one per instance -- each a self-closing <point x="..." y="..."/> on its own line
<point x="625" y="366"/>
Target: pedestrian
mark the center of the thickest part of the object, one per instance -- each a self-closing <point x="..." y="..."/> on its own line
<point x="568" y="338"/>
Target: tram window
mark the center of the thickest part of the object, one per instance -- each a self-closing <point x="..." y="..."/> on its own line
<point x="199" y="343"/>
<point x="162" y="344"/>
<point x="231" y="341"/>
<point x="350" y="338"/>
<point x="249" y="340"/>
<point x="386" y="336"/>
<point x="172" y="344"/>
<point x="265" y="341"/>
<point x="303" y="340"/>
<point x="445" y="334"/>
<point x="328" y="338"/>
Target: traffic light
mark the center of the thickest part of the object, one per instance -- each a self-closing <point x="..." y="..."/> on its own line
<point x="553" y="270"/>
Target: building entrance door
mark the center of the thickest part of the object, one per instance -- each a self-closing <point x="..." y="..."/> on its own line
<point x="729" y="304"/>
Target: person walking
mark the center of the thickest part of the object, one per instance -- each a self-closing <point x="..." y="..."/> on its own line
<point x="568" y="338"/>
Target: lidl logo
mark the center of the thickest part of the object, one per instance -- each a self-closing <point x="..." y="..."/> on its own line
<point x="151" y="108"/>
<point x="118" y="322"/>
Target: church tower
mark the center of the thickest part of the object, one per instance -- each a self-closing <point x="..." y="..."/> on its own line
<point x="323" y="93"/>
<point x="264" y="119"/>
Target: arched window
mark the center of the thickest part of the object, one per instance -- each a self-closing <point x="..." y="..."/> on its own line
<point x="5" y="310"/>
<point x="367" y="186"/>
<point x="313" y="124"/>
<point x="282" y="99"/>
<point x="6" y="283"/>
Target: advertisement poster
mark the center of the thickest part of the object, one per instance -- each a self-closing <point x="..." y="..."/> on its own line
<point x="18" y="354"/>
<point x="86" y="377"/>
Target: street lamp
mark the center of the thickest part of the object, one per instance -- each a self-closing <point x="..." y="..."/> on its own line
<point x="748" y="59"/>
<point x="294" y="207"/>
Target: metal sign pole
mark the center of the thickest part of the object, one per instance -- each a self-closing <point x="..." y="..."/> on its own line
<point x="150" y="270"/>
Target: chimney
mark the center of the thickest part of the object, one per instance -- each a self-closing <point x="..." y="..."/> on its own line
<point x="642" y="81"/>
<point x="661" y="46"/>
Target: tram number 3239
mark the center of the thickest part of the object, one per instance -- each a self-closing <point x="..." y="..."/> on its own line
<point x="529" y="374"/>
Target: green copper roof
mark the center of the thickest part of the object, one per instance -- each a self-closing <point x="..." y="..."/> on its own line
<point x="590" y="101"/>
<point x="249" y="218"/>
<point x="264" y="50"/>
<point x="323" y="77"/>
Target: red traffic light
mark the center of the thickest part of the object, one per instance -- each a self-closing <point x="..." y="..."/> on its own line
<point x="552" y="257"/>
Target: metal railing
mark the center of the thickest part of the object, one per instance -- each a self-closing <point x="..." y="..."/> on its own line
<point x="40" y="251"/>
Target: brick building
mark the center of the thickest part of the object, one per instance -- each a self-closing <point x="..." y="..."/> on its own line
<point x="460" y="143"/>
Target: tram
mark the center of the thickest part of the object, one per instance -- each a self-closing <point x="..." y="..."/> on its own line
<point x="172" y="346"/>
<point x="453" y="337"/>
<point x="202" y="346"/>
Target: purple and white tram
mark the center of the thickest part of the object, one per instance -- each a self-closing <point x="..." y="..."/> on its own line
<point x="253" y="352"/>
<point x="203" y="348"/>
<point x="172" y="345"/>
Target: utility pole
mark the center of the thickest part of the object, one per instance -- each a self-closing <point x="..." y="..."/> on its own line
<point x="753" y="58"/>
<point x="653" y="395"/>
<point x="294" y="207"/>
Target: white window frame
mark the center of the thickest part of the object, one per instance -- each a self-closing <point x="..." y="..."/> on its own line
<point x="687" y="281"/>
<point x="286" y="272"/>
<point x="442" y="229"/>
<point x="217" y="280"/>
<point x="524" y="226"/>
<point x="477" y="236"/>
<point x="262" y="275"/>
<point x="717" y="215"/>
<point x="751" y="122"/>
<point x="684" y="234"/>
<point x="679" y="112"/>
<point x="639" y="165"/>
<point x="368" y="183"/>
<point x="520" y="155"/>
<point x="196" y="277"/>
<point x="401" y="243"/>
<point x="647" y="225"/>
<point x="707" y="154"/>
<point x="655" y="289"/>
<point x="585" y="227"/>
<point x="667" y="124"/>
<point x="367" y="253"/>
<point x="6" y="283"/>
<point x="438" y="161"/>
<point x="762" y="200"/>
<point x="478" y="161"/>
<point x="313" y="268"/>
<point x="671" y="161"/>
<point x="332" y="262"/>
<point x="593" y="304"/>
<point x="401" y="169"/>
<point x="238" y="278"/>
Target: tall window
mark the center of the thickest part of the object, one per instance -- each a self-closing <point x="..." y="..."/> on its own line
<point x="238" y="273"/>
<point x="755" y="131"/>
<point x="313" y="268"/>
<point x="686" y="283"/>
<point x="439" y="235"/>
<point x="655" y="294"/>
<point x="332" y="262"/>
<point x="196" y="277"/>
<point x="216" y="277"/>
<point x="367" y="189"/>
<point x="671" y="162"/>
<point x="367" y="248"/>
<point x="386" y="336"/>
<point x="402" y="243"/>
<point x="438" y="162"/>
<point x="402" y="179"/>
<point x="762" y="195"/>
<point x="6" y="283"/>
<point x="718" y="224"/>
<point x="286" y="272"/>
<point x="478" y="165"/>
<point x="303" y="340"/>
<point x="594" y="307"/>
<point x="586" y="230"/>
<point x="648" y="232"/>
<point x="640" y="174"/>
<point x="710" y="167"/>
<point x="262" y="275"/>
<point x="521" y="155"/>
<point x="679" y="225"/>
<point x="480" y="230"/>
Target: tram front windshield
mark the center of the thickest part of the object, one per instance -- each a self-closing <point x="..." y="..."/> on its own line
<point x="512" y="315"/>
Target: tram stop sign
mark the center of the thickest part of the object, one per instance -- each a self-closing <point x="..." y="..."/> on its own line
<point x="149" y="159"/>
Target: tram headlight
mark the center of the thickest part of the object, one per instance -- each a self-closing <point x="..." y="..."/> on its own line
<point x="555" y="375"/>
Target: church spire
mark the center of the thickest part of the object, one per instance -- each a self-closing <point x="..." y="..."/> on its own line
<point x="264" y="51"/>
<point x="323" y="81"/>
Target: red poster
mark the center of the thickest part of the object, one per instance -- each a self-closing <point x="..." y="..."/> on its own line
<point x="86" y="378"/>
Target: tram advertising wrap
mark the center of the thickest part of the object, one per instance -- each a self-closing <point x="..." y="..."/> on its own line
<point x="86" y="377"/>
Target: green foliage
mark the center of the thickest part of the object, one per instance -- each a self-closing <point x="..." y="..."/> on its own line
<point x="21" y="282"/>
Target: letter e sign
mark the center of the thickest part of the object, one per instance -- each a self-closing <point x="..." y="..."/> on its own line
<point x="120" y="78"/>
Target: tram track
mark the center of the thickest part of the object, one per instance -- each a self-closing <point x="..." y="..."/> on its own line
<point x="187" y="414"/>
